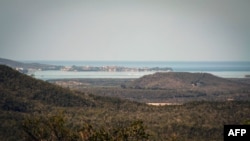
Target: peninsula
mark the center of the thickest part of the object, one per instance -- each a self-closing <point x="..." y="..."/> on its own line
<point x="31" y="67"/>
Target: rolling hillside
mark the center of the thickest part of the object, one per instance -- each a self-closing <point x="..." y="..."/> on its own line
<point x="22" y="90"/>
<point x="23" y="96"/>
<point x="32" y="109"/>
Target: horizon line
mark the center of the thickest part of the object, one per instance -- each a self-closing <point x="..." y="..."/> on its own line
<point x="86" y="60"/>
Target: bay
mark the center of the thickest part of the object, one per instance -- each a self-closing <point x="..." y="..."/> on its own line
<point x="221" y="69"/>
<point x="45" y="75"/>
<point x="176" y="65"/>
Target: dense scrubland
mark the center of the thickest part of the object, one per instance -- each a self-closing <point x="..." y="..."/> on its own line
<point x="36" y="110"/>
<point x="171" y="87"/>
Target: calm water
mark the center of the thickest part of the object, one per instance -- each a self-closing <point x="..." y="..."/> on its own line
<point x="177" y="66"/>
<point x="45" y="75"/>
<point x="221" y="69"/>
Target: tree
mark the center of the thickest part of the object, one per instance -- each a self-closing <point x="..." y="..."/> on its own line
<point x="51" y="128"/>
<point x="54" y="128"/>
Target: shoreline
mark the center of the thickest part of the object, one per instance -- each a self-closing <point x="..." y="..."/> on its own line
<point x="50" y="75"/>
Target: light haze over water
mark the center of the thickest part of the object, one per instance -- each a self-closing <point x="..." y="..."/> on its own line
<point x="221" y="69"/>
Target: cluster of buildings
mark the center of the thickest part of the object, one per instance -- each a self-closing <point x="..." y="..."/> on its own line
<point x="113" y="69"/>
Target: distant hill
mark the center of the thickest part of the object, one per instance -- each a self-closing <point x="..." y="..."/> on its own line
<point x="184" y="80"/>
<point x="17" y="64"/>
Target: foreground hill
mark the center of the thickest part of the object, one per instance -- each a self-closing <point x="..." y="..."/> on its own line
<point x="31" y="109"/>
<point x="23" y="96"/>
<point x="18" y="92"/>
<point x="185" y="80"/>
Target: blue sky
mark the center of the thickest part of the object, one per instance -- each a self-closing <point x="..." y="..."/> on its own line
<point x="136" y="30"/>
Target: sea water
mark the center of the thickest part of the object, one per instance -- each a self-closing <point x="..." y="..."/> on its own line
<point x="221" y="69"/>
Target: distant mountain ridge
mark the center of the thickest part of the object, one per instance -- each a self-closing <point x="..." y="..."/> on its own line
<point x="25" y="66"/>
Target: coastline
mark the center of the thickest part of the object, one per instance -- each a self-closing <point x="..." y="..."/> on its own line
<point x="137" y="69"/>
<point x="54" y="74"/>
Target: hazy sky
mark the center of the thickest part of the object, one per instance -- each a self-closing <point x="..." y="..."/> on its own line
<point x="153" y="30"/>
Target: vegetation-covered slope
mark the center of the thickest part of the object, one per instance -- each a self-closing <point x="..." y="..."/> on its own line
<point x="31" y="108"/>
<point x="19" y="88"/>
<point x="171" y="87"/>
